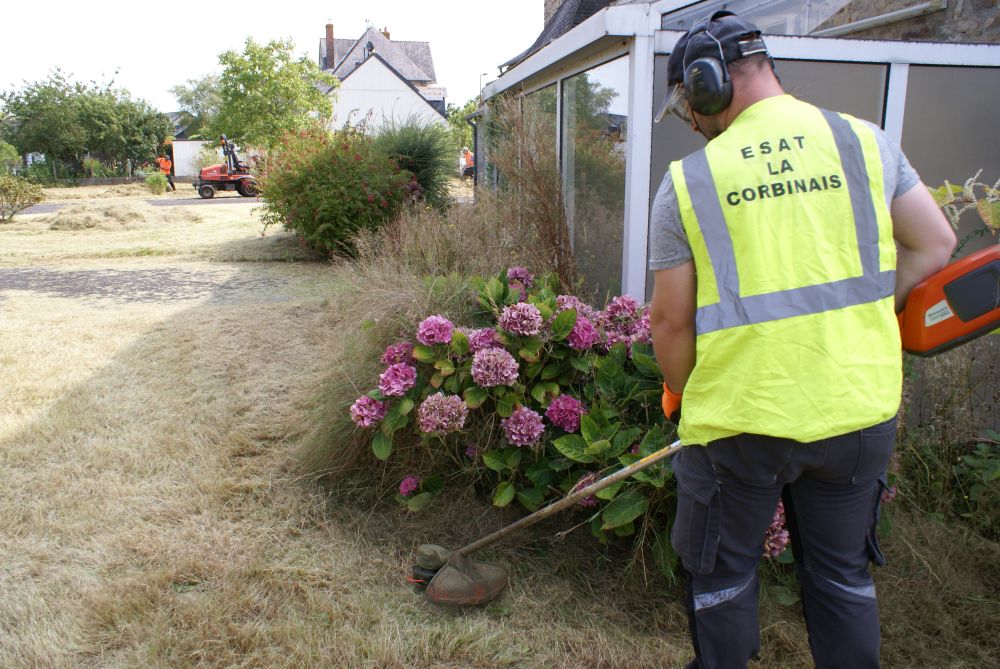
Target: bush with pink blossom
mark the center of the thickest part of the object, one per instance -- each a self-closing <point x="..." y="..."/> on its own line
<point x="539" y="394"/>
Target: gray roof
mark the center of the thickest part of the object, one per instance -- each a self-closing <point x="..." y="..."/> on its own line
<point x="411" y="59"/>
<point x="570" y="14"/>
<point x="340" y="48"/>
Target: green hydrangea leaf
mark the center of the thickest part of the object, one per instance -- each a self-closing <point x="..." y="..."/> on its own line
<point x="475" y="396"/>
<point x="424" y="354"/>
<point x="381" y="446"/>
<point x="459" y="343"/>
<point x="623" y="509"/>
<point x="504" y="494"/>
<point x="494" y="460"/>
<point x="563" y="324"/>
<point x="419" y="501"/>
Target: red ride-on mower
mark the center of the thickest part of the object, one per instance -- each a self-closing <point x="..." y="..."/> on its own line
<point x="231" y="175"/>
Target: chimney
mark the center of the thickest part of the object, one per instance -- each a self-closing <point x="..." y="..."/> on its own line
<point x="385" y="31"/>
<point x="331" y="58"/>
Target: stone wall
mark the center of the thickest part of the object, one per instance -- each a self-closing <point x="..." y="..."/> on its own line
<point x="961" y="21"/>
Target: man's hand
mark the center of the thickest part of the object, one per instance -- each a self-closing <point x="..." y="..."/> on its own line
<point x="671" y="402"/>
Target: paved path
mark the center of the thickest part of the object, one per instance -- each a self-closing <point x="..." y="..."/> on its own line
<point x="160" y="284"/>
<point x="49" y="207"/>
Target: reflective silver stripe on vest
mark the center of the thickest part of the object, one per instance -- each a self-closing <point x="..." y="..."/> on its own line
<point x="733" y="310"/>
<point x="706" y="600"/>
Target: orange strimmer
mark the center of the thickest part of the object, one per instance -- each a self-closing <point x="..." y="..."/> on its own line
<point x="958" y="304"/>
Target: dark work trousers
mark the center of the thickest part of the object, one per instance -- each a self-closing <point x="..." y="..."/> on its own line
<point x="170" y="180"/>
<point x="726" y="496"/>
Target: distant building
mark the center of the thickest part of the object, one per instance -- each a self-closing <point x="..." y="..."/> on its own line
<point x="381" y="80"/>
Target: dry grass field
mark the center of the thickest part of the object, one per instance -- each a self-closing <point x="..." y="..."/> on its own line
<point x="153" y="383"/>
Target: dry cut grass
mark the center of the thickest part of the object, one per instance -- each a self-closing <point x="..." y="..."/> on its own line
<point x="126" y="229"/>
<point x="152" y="514"/>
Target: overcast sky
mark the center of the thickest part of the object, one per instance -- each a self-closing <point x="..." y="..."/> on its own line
<point x="156" y="45"/>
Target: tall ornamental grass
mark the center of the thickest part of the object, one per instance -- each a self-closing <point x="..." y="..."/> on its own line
<point x="424" y="150"/>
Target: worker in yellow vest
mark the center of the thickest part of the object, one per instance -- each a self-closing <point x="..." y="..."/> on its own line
<point x="777" y="282"/>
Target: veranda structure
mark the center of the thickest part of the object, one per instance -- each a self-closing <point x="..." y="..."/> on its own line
<point x="602" y="82"/>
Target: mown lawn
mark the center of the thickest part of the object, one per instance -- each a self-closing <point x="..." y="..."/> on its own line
<point x="154" y="383"/>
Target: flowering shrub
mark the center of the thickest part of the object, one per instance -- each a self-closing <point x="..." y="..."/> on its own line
<point x="546" y="395"/>
<point x="328" y="186"/>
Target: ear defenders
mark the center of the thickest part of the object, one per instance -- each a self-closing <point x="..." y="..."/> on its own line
<point x="706" y="79"/>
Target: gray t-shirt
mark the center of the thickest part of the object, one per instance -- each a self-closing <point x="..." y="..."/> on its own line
<point x="668" y="243"/>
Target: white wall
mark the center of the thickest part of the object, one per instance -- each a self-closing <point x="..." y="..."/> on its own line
<point x="185" y="152"/>
<point x="373" y="88"/>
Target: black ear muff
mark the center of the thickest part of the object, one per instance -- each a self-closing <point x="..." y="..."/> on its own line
<point x="707" y="85"/>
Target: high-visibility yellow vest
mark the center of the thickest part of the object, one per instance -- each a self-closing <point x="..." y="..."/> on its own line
<point x="792" y="242"/>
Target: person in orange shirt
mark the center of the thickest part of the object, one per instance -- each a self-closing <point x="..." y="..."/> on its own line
<point x="165" y="164"/>
<point x="468" y="170"/>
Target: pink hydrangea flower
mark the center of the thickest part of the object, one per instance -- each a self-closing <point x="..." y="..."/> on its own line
<point x="435" y="330"/>
<point x="481" y="339"/>
<point x="395" y="381"/>
<point x="622" y="308"/>
<point x="776" y="536"/>
<point x="471" y="451"/>
<point x="409" y="485"/>
<point x="521" y="275"/>
<point x="564" y="302"/>
<point x="584" y="334"/>
<point x="565" y="412"/>
<point x="442" y="414"/>
<point x="522" y="319"/>
<point x="523" y="427"/>
<point x="366" y="411"/>
<point x="494" y="367"/>
<point x="590" y="501"/>
<point x="399" y="352"/>
<point x="643" y="331"/>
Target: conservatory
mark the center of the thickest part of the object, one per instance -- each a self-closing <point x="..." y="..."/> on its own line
<point x="601" y="81"/>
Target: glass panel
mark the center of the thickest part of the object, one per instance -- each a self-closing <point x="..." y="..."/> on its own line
<point x="853" y="88"/>
<point x="950" y="131"/>
<point x="595" y="126"/>
<point x="542" y="105"/>
<point x="774" y="17"/>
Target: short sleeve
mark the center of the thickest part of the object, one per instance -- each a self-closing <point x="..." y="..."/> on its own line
<point x="668" y="242"/>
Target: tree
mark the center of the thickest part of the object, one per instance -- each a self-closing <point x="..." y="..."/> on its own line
<point x="66" y="120"/>
<point x="265" y="92"/>
<point x="199" y="101"/>
<point x="461" y="131"/>
<point x="9" y="158"/>
<point x="45" y="117"/>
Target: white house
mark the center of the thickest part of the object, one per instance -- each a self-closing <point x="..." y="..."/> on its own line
<point x="381" y="80"/>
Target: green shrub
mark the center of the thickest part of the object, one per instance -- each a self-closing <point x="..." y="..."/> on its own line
<point x="157" y="183"/>
<point x="17" y="194"/>
<point x="9" y="159"/>
<point x="424" y="149"/>
<point x="329" y="186"/>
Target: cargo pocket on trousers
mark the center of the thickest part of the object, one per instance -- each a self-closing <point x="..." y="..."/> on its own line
<point x="874" y="552"/>
<point x="696" y="532"/>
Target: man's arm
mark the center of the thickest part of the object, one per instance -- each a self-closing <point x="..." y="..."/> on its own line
<point x="672" y="319"/>
<point x="924" y="239"/>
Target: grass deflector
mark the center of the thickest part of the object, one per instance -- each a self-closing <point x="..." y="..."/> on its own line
<point x="451" y="577"/>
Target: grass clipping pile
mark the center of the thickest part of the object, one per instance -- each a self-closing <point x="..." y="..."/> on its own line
<point x="117" y="216"/>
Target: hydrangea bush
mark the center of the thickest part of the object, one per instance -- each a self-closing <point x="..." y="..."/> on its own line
<point x="543" y="395"/>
